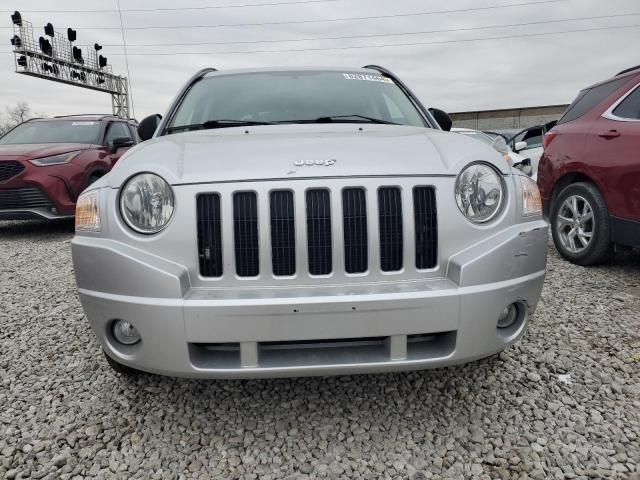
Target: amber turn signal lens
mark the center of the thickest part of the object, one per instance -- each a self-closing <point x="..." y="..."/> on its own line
<point x="531" y="200"/>
<point x="88" y="212"/>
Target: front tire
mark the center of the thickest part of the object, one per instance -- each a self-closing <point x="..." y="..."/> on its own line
<point x="580" y="225"/>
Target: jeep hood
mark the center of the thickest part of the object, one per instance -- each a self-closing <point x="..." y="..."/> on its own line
<point x="302" y="151"/>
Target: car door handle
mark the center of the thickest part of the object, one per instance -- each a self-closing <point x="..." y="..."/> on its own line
<point x="609" y="134"/>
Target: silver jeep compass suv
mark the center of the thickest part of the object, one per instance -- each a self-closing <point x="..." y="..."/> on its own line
<point x="306" y="221"/>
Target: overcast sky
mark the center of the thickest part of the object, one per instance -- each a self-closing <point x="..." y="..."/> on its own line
<point x="453" y="70"/>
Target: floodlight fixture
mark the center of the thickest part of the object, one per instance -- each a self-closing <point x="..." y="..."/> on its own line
<point x="79" y="75"/>
<point x="77" y="55"/>
<point x="16" y="18"/>
<point x="48" y="30"/>
<point x="45" y="46"/>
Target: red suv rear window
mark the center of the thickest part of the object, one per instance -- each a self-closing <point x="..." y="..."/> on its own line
<point x="589" y="98"/>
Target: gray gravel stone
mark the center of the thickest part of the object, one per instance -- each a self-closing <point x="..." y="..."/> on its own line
<point x="65" y="415"/>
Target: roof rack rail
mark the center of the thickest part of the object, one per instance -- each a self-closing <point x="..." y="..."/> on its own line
<point x="86" y="115"/>
<point x="627" y="70"/>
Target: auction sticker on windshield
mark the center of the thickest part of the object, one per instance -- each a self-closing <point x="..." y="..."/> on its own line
<point x="367" y="77"/>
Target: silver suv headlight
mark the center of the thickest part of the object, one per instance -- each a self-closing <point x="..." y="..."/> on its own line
<point x="147" y="203"/>
<point x="479" y="192"/>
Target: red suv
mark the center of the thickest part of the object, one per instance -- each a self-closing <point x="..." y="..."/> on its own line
<point x="589" y="174"/>
<point x="46" y="163"/>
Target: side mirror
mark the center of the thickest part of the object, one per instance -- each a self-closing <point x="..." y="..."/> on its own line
<point x="121" y="142"/>
<point x="443" y="118"/>
<point x="519" y="146"/>
<point x="500" y="144"/>
<point x="148" y="126"/>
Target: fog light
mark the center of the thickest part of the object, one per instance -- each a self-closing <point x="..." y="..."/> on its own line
<point x="508" y="316"/>
<point x="125" y="333"/>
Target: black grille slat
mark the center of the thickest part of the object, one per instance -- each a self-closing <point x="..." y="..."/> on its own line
<point x="9" y="169"/>
<point x="26" y="197"/>
<point x="426" y="227"/>
<point x="209" y="235"/>
<point x="390" y="225"/>
<point x="283" y="233"/>
<point x="319" y="247"/>
<point x="245" y="230"/>
<point x="354" y="218"/>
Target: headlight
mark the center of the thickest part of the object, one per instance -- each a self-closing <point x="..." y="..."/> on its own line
<point x="479" y="192"/>
<point x="54" y="159"/>
<point x="531" y="201"/>
<point x="146" y="203"/>
<point x="88" y="212"/>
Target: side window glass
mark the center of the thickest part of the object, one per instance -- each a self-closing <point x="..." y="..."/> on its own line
<point x="630" y="106"/>
<point x="533" y="138"/>
<point x="134" y="133"/>
<point x="519" y="137"/>
<point x="117" y="130"/>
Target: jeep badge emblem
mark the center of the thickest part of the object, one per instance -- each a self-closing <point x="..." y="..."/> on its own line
<point x="310" y="163"/>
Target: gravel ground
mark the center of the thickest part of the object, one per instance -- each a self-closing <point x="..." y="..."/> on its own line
<point x="563" y="403"/>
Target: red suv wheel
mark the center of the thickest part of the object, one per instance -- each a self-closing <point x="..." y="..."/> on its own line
<point x="580" y="225"/>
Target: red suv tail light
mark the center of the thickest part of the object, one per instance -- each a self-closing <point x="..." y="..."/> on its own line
<point x="548" y="138"/>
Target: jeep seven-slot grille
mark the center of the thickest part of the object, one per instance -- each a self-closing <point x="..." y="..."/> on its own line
<point x="209" y="235"/>
<point x="245" y="234"/>
<point x="390" y="221"/>
<point x="426" y="226"/>
<point x="319" y="232"/>
<point x="317" y="240"/>
<point x="354" y="227"/>
<point x="283" y="233"/>
<point x="9" y="169"/>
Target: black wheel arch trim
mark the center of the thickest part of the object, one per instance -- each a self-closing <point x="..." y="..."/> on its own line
<point x="68" y="187"/>
<point x="624" y="231"/>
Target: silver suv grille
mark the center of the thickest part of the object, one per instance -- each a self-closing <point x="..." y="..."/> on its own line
<point x="285" y="242"/>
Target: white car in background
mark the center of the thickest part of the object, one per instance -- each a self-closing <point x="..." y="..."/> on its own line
<point x="498" y="142"/>
<point x="528" y="143"/>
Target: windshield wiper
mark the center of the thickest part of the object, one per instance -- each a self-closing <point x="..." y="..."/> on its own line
<point x="222" y="123"/>
<point x="349" y="119"/>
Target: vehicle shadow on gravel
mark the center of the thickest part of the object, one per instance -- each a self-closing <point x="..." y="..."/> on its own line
<point x="40" y="228"/>
<point x="432" y="402"/>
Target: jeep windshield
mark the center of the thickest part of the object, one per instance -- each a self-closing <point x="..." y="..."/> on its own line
<point x="259" y="98"/>
<point x="53" y="131"/>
